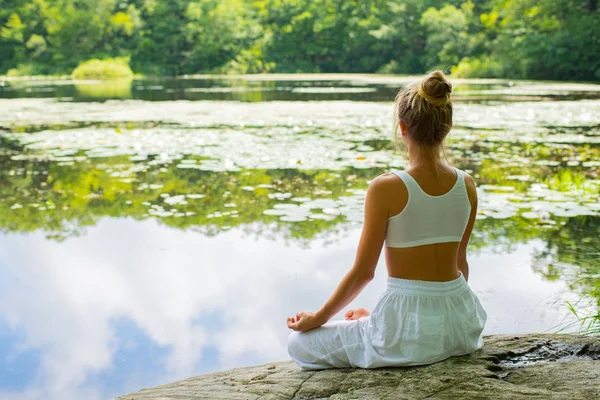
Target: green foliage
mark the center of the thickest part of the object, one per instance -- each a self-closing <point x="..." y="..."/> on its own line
<point x="566" y="181"/>
<point x="250" y="61"/>
<point x="477" y="67"/>
<point x="538" y="39"/>
<point x="544" y="39"/>
<point x="588" y="324"/>
<point x="13" y="29"/>
<point x="390" y="68"/>
<point x="447" y="34"/>
<point x="112" y="68"/>
<point x="23" y="70"/>
<point x="68" y="198"/>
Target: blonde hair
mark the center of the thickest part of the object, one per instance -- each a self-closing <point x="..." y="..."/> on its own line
<point x="426" y="109"/>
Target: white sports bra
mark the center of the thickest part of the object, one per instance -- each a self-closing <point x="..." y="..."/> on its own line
<point x="429" y="219"/>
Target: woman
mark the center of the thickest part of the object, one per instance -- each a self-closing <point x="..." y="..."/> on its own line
<point x="425" y="215"/>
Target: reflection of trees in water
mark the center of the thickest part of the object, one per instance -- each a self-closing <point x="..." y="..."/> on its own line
<point x="62" y="200"/>
<point x="502" y="235"/>
<point x="572" y="254"/>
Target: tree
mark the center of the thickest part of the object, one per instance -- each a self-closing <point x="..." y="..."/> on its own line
<point x="448" y="38"/>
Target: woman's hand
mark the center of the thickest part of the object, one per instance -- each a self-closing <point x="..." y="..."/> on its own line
<point x="305" y="321"/>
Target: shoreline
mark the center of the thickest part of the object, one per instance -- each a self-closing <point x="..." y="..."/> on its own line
<point x="365" y="78"/>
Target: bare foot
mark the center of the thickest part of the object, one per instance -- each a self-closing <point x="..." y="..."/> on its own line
<point x="356" y="314"/>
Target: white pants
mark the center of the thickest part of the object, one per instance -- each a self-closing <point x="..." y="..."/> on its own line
<point x="413" y="323"/>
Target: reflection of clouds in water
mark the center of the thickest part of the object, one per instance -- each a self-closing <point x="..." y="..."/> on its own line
<point x="199" y="299"/>
<point x="517" y="299"/>
<point x="163" y="280"/>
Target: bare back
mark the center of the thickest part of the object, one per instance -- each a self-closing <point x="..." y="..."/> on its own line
<point x="429" y="262"/>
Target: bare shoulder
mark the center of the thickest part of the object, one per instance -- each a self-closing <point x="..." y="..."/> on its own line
<point x="469" y="179"/>
<point x="384" y="183"/>
<point x="389" y="191"/>
<point x="379" y="194"/>
<point x="383" y="187"/>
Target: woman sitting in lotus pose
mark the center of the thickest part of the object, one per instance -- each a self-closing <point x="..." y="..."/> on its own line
<point x="425" y="215"/>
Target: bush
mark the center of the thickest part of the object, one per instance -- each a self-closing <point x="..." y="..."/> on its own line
<point x="24" y="70"/>
<point x="390" y="68"/>
<point x="252" y="60"/>
<point x="110" y="68"/>
<point x="249" y="61"/>
<point x="477" y="67"/>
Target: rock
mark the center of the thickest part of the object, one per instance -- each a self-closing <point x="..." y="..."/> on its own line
<point x="534" y="366"/>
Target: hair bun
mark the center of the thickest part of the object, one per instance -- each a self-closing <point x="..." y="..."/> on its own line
<point x="436" y="89"/>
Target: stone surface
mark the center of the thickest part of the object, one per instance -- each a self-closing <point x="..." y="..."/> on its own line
<point x="511" y="367"/>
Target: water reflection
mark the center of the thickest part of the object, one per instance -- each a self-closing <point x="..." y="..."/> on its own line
<point x="67" y="193"/>
<point x="145" y="277"/>
<point x="132" y="304"/>
<point x="95" y="91"/>
<point x="252" y="88"/>
<point x="148" y="241"/>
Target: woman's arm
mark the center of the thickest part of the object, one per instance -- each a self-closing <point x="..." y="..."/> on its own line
<point x="461" y="255"/>
<point x="363" y="270"/>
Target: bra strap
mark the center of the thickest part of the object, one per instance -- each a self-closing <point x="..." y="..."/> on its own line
<point x="460" y="176"/>
<point x="409" y="181"/>
<point x="413" y="186"/>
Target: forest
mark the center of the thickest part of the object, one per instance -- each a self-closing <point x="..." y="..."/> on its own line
<point x="517" y="39"/>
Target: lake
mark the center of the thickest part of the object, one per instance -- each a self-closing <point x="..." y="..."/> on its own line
<point x="161" y="228"/>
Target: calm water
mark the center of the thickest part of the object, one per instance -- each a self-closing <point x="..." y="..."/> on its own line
<point x="156" y="229"/>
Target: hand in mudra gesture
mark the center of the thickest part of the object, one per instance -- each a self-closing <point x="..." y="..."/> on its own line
<point x="304" y="321"/>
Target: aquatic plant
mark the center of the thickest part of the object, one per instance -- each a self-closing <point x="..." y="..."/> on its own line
<point x="588" y="324"/>
<point x="566" y="180"/>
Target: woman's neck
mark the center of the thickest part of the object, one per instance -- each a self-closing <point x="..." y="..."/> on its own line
<point x="419" y="159"/>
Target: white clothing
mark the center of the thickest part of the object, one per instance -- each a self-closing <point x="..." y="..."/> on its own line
<point x="414" y="323"/>
<point x="428" y="219"/>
